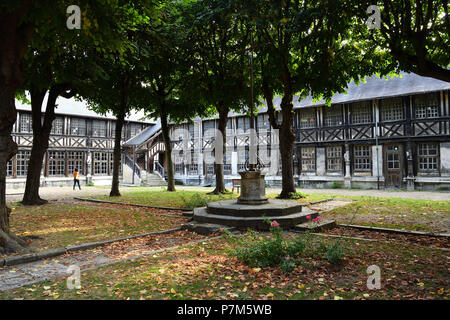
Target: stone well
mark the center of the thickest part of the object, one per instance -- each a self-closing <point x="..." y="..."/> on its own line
<point x="252" y="209"/>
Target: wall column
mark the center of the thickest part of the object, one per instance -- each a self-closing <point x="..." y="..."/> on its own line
<point x="347" y="177"/>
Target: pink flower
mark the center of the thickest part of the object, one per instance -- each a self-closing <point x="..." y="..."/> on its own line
<point x="308" y="217"/>
<point x="222" y="229"/>
<point x="274" y="223"/>
<point x="287" y="258"/>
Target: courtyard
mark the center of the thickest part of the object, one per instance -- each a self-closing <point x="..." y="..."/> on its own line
<point x="181" y="264"/>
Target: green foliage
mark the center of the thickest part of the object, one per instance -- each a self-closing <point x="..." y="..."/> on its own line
<point x="195" y="201"/>
<point x="287" y="254"/>
<point x="90" y="184"/>
<point x="336" y="185"/>
<point x="335" y="252"/>
<point x="297" y="195"/>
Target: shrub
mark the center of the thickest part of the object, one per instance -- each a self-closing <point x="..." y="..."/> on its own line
<point x="276" y="251"/>
<point x="335" y="252"/>
<point x="195" y="201"/>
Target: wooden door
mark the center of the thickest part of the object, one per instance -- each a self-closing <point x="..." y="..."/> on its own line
<point x="393" y="165"/>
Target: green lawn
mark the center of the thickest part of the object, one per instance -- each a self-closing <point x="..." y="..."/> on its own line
<point x="183" y="198"/>
<point x="61" y="225"/>
<point x="207" y="271"/>
<point x="409" y="214"/>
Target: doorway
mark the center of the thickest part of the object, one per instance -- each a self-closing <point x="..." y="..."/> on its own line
<point x="393" y="165"/>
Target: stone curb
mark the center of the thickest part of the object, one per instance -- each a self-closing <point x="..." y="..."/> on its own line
<point x="319" y="201"/>
<point x="131" y="204"/>
<point x="388" y="230"/>
<point x="26" y="258"/>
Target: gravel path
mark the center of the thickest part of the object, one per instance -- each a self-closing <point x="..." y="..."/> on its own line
<point x="57" y="193"/>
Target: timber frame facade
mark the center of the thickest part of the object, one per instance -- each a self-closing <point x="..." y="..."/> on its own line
<point x="78" y="142"/>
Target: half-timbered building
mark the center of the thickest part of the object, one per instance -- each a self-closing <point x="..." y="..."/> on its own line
<point x="80" y="139"/>
<point x="381" y="134"/>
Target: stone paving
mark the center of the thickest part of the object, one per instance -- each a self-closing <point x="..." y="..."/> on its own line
<point x="33" y="272"/>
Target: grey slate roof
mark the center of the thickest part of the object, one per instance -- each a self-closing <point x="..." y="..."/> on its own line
<point x="144" y="135"/>
<point x="373" y="88"/>
<point x="80" y="109"/>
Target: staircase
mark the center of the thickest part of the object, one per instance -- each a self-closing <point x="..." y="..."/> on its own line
<point x="152" y="180"/>
<point x="141" y="177"/>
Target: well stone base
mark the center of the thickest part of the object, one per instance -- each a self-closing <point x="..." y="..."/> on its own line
<point x="230" y="213"/>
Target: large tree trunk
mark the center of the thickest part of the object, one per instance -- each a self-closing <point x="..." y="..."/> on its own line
<point x="168" y="147"/>
<point x="286" y="142"/>
<point x="218" y="167"/>
<point x="286" y="135"/>
<point x="41" y="136"/>
<point x="117" y="153"/>
<point x="40" y="145"/>
<point x="15" y="36"/>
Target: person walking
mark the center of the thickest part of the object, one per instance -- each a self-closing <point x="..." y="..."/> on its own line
<point x="76" y="179"/>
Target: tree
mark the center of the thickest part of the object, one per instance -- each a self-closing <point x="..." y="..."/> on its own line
<point x="415" y="33"/>
<point x="19" y="22"/>
<point x="166" y="76"/>
<point x="15" y="32"/>
<point x="218" y="39"/>
<point x="303" y="47"/>
<point x="118" y="89"/>
<point x="56" y="70"/>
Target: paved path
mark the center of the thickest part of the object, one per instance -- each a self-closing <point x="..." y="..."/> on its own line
<point x="57" y="193"/>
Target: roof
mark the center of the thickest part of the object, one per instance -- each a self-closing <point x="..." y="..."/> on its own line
<point x="144" y="135"/>
<point x="373" y="88"/>
<point x="80" y="108"/>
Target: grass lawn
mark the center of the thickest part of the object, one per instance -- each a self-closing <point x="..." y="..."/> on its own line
<point x="409" y="214"/>
<point x="208" y="271"/>
<point x="184" y="198"/>
<point x="61" y="225"/>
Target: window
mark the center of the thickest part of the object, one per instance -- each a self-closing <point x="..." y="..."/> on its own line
<point x="209" y="168"/>
<point x="242" y="157"/>
<point x="113" y="130"/>
<point x="392" y="109"/>
<point x="362" y="158"/>
<point x="191" y="131"/>
<point x="243" y="124"/>
<point x="75" y="161"/>
<point x="56" y="163"/>
<point x="78" y="127"/>
<point x="426" y="105"/>
<point x="9" y="168"/>
<point x="208" y="128"/>
<point x="307" y="118"/>
<point x="333" y="116"/>
<point x="179" y="168"/>
<point x="100" y="163"/>
<point x="263" y="122"/>
<point x="135" y="128"/>
<point x="57" y="126"/>
<point x="98" y="128"/>
<point x="334" y="159"/>
<point x="23" y="157"/>
<point x="428" y="157"/>
<point x="111" y="165"/>
<point x="361" y="112"/>
<point x="26" y="122"/>
<point x="192" y="168"/>
<point x="308" y="159"/>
